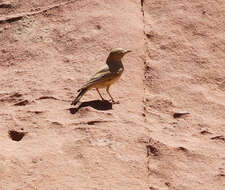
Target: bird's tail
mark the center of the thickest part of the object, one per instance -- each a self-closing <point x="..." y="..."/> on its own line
<point x="79" y="96"/>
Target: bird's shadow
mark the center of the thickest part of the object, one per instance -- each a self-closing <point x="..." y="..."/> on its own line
<point x="96" y="104"/>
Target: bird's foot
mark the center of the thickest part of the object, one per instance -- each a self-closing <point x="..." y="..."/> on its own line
<point x="115" y="102"/>
<point x="73" y="103"/>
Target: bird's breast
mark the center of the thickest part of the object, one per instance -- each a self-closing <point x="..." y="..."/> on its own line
<point x="107" y="82"/>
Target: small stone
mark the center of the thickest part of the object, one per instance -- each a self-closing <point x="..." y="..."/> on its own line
<point x="22" y="103"/>
<point x="220" y="137"/>
<point x="180" y="113"/>
<point x="204" y="132"/>
<point x="6" y="4"/>
<point x="182" y="149"/>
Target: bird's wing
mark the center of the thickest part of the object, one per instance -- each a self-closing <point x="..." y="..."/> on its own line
<point x="102" y="75"/>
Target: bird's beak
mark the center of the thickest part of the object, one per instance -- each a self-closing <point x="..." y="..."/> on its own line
<point x="127" y="51"/>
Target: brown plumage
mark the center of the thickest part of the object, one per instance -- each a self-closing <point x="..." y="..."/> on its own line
<point x="106" y="76"/>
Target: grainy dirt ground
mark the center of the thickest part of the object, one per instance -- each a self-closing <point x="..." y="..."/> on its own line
<point x="48" y="49"/>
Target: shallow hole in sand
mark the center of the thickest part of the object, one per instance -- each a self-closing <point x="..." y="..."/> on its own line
<point x="15" y="135"/>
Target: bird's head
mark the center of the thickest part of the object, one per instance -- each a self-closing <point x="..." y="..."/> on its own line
<point x="118" y="53"/>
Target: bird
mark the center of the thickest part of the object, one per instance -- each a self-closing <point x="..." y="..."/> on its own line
<point x="106" y="76"/>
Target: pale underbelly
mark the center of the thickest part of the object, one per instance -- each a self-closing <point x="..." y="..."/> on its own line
<point x="105" y="83"/>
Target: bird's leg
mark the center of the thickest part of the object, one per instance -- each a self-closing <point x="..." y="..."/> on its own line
<point x="107" y="90"/>
<point x="99" y="94"/>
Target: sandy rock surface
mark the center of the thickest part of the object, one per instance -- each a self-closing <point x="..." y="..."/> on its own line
<point x="168" y="132"/>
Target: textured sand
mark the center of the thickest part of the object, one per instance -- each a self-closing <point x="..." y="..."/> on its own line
<point x="177" y="66"/>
